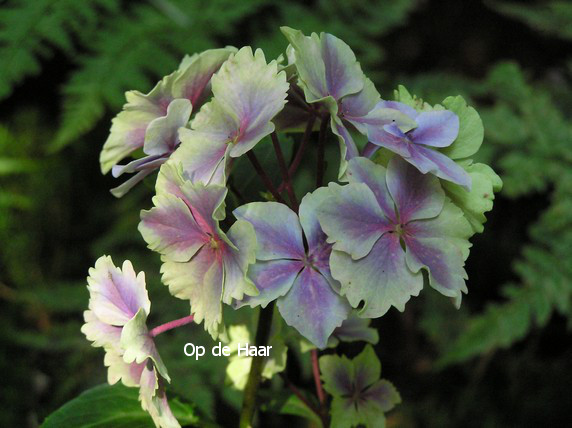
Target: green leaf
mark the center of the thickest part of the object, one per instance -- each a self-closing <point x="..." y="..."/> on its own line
<point x="112" y="406"/>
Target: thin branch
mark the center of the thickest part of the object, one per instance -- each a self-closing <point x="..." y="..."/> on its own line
<point x="298" y="158"/>
<point x="321" y="151"/>
<point x="265" y="179"/>
<point x="284" y="171"/>
<point x="171" y="325"/>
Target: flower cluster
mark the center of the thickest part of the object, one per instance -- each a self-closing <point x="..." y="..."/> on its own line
<point x="407" y="199"/>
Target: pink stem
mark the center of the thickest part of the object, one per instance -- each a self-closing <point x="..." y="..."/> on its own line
<point x="317" y="381"/>
<point x="171" y="325"/>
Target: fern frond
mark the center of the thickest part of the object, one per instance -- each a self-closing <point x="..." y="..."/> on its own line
<point x="133" y="50"/>
<point x="554" y="17"/>
<point x="533" y="144"/>
<point x="31" y="30"/>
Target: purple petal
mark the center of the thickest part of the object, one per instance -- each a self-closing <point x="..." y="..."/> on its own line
<point x="367" y="368"/>
<point x="381" y="279"/>
<point x="202" y="156"/>
<point x="429" y="160"/>
<point x="416" y="195"/>
<point x="353" y="107"/>
<point x="343" y="73"/>
<point x="352" y="218"/>
<point x="313" y="308"/>
<point x="100" y="333"/>
<point x="362" y="170"/>
<point x="273" y="279"/>
<point x="403" y="108"/>
<point x="436" y="128"/>
<point x="347" y="144"/>
<point x="277" y="228"/>
<point x="381" y="137"/>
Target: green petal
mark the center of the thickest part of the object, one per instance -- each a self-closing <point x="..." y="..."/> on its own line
<point x="471" y="129"/>
<point x="138" y="346"/>
<point x="480" y="199"/>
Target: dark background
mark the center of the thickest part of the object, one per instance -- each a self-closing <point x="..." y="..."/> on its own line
<point x="503" y="359"/>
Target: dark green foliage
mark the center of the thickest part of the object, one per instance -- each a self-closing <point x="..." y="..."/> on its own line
<point x="112" y="406"/>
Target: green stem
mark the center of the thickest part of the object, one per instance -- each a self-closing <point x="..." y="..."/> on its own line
<point x="255" y="376"/>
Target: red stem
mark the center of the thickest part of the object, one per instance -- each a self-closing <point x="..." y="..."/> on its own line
<point x="301" y="396"/>
<point x="171" y="325"/>
<point x="284" y="171"/>
<point x="317" y="380"/>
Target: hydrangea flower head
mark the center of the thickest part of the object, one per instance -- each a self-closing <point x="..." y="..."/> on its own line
<point x="118" y="309"/>
<point x="248" y="93"/>
<point x="386" y="226"/>
<point x="297" y="277"/>
<point x="200" y="262"/>
<point x="151" y="121"/>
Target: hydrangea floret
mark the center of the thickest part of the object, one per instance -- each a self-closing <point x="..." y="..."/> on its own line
<point x="401" y="203"/>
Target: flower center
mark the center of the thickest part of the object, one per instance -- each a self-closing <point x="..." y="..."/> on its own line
<point x="214" y="243"/>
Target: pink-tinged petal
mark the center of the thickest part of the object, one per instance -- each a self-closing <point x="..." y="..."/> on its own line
<point x="237" y="260"/>
<point x="436" y="128"/>
<point x="199" y="280"/>
<point x="381" y="279"/>
<point x="277" y="228"/>
<point x="170" y="180"/>
<point x="117" y="369"/>
<point x="362" y="170"/>
<point x="429" y="160"/>
<point x="313" y="308"/>
<point x="273" y="279"/>
<point x="202" y="158"/>
<point x="116" y="295"/>
<point x="416" y="195"/>
<point x="162" y="135"/>
<point x="352" y="218"/>
<point x="100" y="333"/>
<point x="127" y="135"/>
<point x="252" y="92"/>
<point x="206" y="204"/>
<point x="403" y="108"/>
<point x="154" y="401"/>
<point x="170" y="229"/>
<point x="441" y="246"/>
<point x="195" y="72"/>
